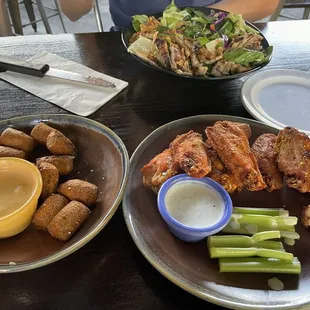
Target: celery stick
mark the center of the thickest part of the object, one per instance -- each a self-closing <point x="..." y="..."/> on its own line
<point x="289" y="241"/>
<point x="286" y="220"/>
<point x="259" y="264"/>
<point x="284" y="212"/>
<point x="290" y="228"/>
<point x="241" y="242"/>
<point x="249" y="252"/>
<point x="265" y="235"/>
<point x="262" y="211"/>
<point x="239" y="231"/>
<point x="273" y="245"/>
<point x="290" y="235"/>
<point x="230" y="241"/>
<point x="249" y="224"/>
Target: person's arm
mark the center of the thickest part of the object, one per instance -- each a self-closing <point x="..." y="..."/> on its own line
<point x="75" y="9"/>
<point x="252" y="10"/>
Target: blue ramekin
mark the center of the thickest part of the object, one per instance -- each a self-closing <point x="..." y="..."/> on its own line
<point x="184" y="232"/>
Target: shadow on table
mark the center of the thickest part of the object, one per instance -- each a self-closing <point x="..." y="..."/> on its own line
<point x="158" y="104"/>
<point x="168" y="293"/>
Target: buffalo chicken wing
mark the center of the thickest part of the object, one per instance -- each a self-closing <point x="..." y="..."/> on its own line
<point x="232" y="145"/>
<point x="189" y="152"/>
<point x="158" y="170"/>
<point x="293" y="148"/>
<point x="220" y="174"/>
<point x="264" y="151"/>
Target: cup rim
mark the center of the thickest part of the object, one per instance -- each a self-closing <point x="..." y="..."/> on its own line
<point x="228" y="207"/>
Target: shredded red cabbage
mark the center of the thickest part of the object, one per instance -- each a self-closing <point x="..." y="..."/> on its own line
<point x="225" y="40"/>
<point x="220" y="18"/>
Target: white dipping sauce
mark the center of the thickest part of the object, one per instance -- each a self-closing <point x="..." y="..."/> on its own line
<point x="194" y="204"/>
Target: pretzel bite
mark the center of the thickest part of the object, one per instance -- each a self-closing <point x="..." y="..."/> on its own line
<point x="41" y="131"/>
<point x="50" y="177"/>
<point x="63" y="163"/>
<point x="47" y="211"/>
<point x="17" y="139"/>
<point x="6" y="151"/>
<point x="59" y="144"/>
<point x="79" y="190"/>
<point x="68" y="220"/>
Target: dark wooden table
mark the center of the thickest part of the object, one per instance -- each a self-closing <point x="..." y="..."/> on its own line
<point x="109" y="272"/>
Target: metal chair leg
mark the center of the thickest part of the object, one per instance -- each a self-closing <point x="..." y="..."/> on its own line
<point x="60" y="16"/>
<point x="277" y="12"/>
<point x="30" y="13"/>
<point x="15" y="16"/>
<point x="44" y="17"/>
<point x="98" y="16"/>
<point x="5" y="24"/>
<point x="306" y="13"/>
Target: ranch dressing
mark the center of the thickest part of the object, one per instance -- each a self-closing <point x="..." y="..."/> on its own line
<point x="194" y="204"/>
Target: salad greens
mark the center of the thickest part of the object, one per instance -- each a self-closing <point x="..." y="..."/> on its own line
<point x="196" y="21"/>
<point x="235" y="25"/>
<point x="142" y="45"/>
<point x="172" y="16"/>
<point x="137" y="20"/>
<point x="245" y="57"/>
<point x="201" y="17"/>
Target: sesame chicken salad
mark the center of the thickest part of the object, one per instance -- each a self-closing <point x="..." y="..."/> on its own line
<point x="189" y="42"/>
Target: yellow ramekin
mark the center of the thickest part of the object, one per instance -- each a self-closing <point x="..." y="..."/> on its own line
<point x="17" y="221"/>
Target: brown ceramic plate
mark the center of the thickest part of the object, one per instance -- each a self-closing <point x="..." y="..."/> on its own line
<point x="189" y="265"/>
<point x="102" y="159"/>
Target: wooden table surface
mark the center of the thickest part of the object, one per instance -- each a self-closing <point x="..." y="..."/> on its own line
<point x="109" y="272"/>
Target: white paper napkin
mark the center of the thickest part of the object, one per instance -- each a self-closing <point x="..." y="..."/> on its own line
<point x="78" y="98"/>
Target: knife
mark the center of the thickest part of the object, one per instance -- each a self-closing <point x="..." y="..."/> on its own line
<point x="8" y="63"/>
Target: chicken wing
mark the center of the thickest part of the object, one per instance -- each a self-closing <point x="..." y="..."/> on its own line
<point x="293" y="148"/>
<point x="305" y="216"/>
<point x="264" y="151"/>
<point x="158" y="170"/>
<point x="235" y="127"/>
<point x="220" y="174"/>
<point x="189" y="152"/>
<point x="232" y="145"/>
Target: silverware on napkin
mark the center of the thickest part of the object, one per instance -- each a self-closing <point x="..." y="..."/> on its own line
<point x="9" y="63"/>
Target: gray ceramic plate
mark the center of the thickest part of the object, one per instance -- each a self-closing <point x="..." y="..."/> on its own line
<point x="102" y="159"/>
<point x="189" y="265"/>
<point x="279" y="98"/>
